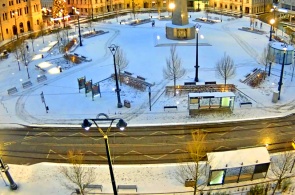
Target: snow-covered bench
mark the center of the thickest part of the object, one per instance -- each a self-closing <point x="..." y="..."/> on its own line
<point x="127" y="187"/>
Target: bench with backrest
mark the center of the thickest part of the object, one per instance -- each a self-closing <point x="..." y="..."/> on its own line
<point x="245" y="103"/>
<point x="11" y="91"/>
<point x="210" y="83"/>
<point x="127" y="187"/>
<point x="189" y="83"/>
<point x="27" y="84"/>
<point x="92" y="187"/>
<point x="168" y="107"/>
<point x="41" y="78"/>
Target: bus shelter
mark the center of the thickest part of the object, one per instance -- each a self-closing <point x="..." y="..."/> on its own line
<point x="238" y="165"/>
<point x="210" y="100"/>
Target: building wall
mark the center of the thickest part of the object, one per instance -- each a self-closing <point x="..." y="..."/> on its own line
<point x="95" y="7"/>
<point x="47" y="3"/>
<point x="245" y="6"/>
<point x="288" y="5"/>
<point x="27" y="17"/>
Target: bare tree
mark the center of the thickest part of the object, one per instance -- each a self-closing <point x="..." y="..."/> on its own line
<point x="32" y="37"/>
<point x="121" y="61"/>
<point x="197" y="170"/>
<point x="281" y="167"/>
<point x="65" y="35"/>
<point x="58" y="36"/>
<point x="266" y="58"/>
<point x="173" y="70"/>
<point x="25" y="55"/>
<point x="17" y="53"/>
<point x="78" y="175"/>
<point x="225" y="68"/>
<point x="42" y="28"/>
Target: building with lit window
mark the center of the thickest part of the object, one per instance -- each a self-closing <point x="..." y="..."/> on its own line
<point x="243" y="6"/>
<point x="18" y="17"/>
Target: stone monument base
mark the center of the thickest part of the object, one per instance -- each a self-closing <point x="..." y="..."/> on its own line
<point x="177" y="32"/>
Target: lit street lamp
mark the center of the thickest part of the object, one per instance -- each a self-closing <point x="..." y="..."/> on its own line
<point x="197" y="52"/>
<point x="5" y="168"/>
<point x="172" y="7"/>
<point x="272" y="21"/>
<point x="113" y="48"/>
<point x="121" y="125"/>
<point x="282" y="72"/>
<point x="14" y="15"/>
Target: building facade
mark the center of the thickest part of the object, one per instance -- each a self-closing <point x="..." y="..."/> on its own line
<point x="95" y="7"/>
<point x="18" y="17"/>
<point x="243" y="6"/>
<point x="288" y="6"/>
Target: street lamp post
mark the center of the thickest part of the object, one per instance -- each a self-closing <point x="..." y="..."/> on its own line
<point x="113" y="48"/>
<point x="282" y="73"/>
<point x="80" y="40"/>
<point x="121" y="125"/>
<point x="150" y="93"/>
<point x="14" y="15"/>
<point x="272" y="21"/>
<point x="5" y="168"/>
<point x="79" y="30"/>
<point x="197" y="52"/>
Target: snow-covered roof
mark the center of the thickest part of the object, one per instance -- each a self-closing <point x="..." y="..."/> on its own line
<point x="281" y="46"/>
<point x="238" y="158"/>
<point x="211" y="94"/>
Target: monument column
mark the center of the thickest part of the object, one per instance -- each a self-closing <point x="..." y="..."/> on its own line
<point x="180" y="13"/>
<point x="180" y="28"/>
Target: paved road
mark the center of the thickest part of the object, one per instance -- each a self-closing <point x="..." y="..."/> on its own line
<point x="154" y="144"/>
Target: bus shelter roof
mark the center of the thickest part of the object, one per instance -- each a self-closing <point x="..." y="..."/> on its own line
<point x="212" y="94"/>
<point x="238" y="158"/>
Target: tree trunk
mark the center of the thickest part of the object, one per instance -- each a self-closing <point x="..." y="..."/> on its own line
<point x="174" y="86"/>
<point x="277" y="184"/>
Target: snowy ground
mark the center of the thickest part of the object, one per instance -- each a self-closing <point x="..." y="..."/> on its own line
<point x="146" y="49"/>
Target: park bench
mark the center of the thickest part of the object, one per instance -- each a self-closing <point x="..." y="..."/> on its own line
<point x="41" y="78"/>
<point x="128" y="73"/>
<point x="127" y="187"/>
<point x="141" y="78"/>
<point x="245" y="103"/>
<point x="189" y="83"/>
<point x="93" y="186"/>
<point x="39" y="68"/>
<point x="168" y="107"/>
<point x="12" y="90"/>
<point x="27" y="84"/>
<point x="210" y="83"/>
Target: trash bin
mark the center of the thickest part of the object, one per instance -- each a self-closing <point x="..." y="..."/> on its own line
<point x="127" y="104"/>
<point x="275" y="96"/>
